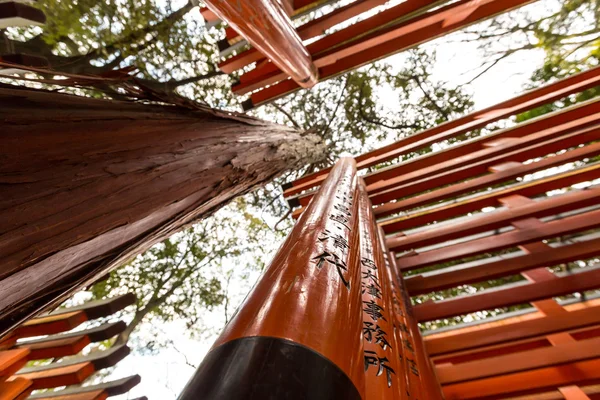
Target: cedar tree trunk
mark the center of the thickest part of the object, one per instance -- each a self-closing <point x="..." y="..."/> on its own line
<point x="86" y="184"/>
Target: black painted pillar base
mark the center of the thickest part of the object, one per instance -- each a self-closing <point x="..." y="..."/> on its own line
<point x="259" y="368"/>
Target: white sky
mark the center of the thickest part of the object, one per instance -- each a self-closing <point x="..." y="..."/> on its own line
<point x="165" y="374"/>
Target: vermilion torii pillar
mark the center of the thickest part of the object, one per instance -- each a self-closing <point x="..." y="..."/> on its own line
<point x="384" y="366"/>
<point x="298" y="333"/>
<point x="324" y="321"/>
<point x="421" y="371"/>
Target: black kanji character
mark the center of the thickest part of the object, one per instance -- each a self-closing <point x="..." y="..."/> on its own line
<point x="372" y="290"/>
<point x="341" y="219"/>
<point x="408" y="345"/>
<point x="368" y="274"/>
<point x="368" y="331"/>
<point x="413" y="366"/>
<point x="374" y="310"/>
<point x="334" y="260"/>
<point x="368" y="263"/>
<point x="347" y="199"/>
<point x="371" y="358"/>
<point x="343" y="209"/>
<point x="403" y="327"/>
<point x="381" y="338"/>
<point x="339" y="242"/>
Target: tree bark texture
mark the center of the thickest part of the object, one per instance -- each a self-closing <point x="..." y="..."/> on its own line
<point x="86" y="184"/>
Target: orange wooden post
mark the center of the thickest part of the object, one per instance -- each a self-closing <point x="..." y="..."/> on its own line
<point x="420" y="363"/>
<point x="385" y="372"/>
<point x="266" y="26"/>
<point x="298" y="333"/>
<point x="414" y="370"/>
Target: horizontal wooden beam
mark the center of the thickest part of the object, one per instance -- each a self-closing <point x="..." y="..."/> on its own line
<point x="565" y="226"/>
<point x="475" y="157"/>
<point x="112" y="388"/>
<point x="516" y="346"/>
<point x="98" y="360"/>
<point x="15" y="13"/>
<point x="18" y="389"/>
<point x="419" y="284"/>
<point x="512" y="317"/>
<point x="8" y="341"/>
<point x="498" y="297"/>
<point x="498" y="219"/>
<point x="74" y="370"/>
<point x="51" y="324"/>
<point x="95" y="395"/>
<point x="474" y="203"/>
<point x="71" y="374"/>
<point x="100" y="308"/>
<point x="11" y="361"/>
<point x="388" y="41"/>
<point x="486" y="181"/>
<point x="68" y="344"/>
<point x="545" y="135"/>
<point x="67" y="318"/>
<point x="306" y="31"/>
<point x="592" y="391"/>
<point x="539" y="380"/>
<point x="340" y="41"/>
<point x="487" y="352"/>
<point x="57" y="348"/>
<point x="489" y="198"/>
<point x="526" y="101"/>
<point x="511" y="331"/>
<point x="523" y="361"/>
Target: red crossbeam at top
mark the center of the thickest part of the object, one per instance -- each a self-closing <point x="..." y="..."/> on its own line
<point x="390" y="40"/>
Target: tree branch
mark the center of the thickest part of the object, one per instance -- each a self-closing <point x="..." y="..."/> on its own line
<point x="171" y="85"/>
<point x="432" y="101"/>
<point x="136" y="35"/>
<point x="337" y="106"/>
<point x="287" y="114"/>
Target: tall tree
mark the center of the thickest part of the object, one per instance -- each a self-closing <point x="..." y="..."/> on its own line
<point x="363" y="110"/>
<point x="88" y="183"/>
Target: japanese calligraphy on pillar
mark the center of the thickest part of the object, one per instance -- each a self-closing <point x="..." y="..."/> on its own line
<point x="333" y="240"/>
<point x="402" y="333"/>
<point x="380" y="359"/>
<point x="423" y="382"/>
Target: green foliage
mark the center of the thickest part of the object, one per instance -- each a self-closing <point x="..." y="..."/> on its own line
<point x="567" y="31"/>
<point x="363" y="110"/>
<point x="186" y="276"/>
<point x="547" y="74"/>
<point x="165" y="41"/>
<point x="377" y="104"/>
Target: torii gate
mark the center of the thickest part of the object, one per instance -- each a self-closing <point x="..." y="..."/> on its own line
<point x="332" y="317"/>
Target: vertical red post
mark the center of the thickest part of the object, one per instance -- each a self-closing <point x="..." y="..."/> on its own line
<point x="384" y="370"/>
<point x="422" y="372"/>
<point x="298" y="333"/>
<point x="266" y="26"/>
